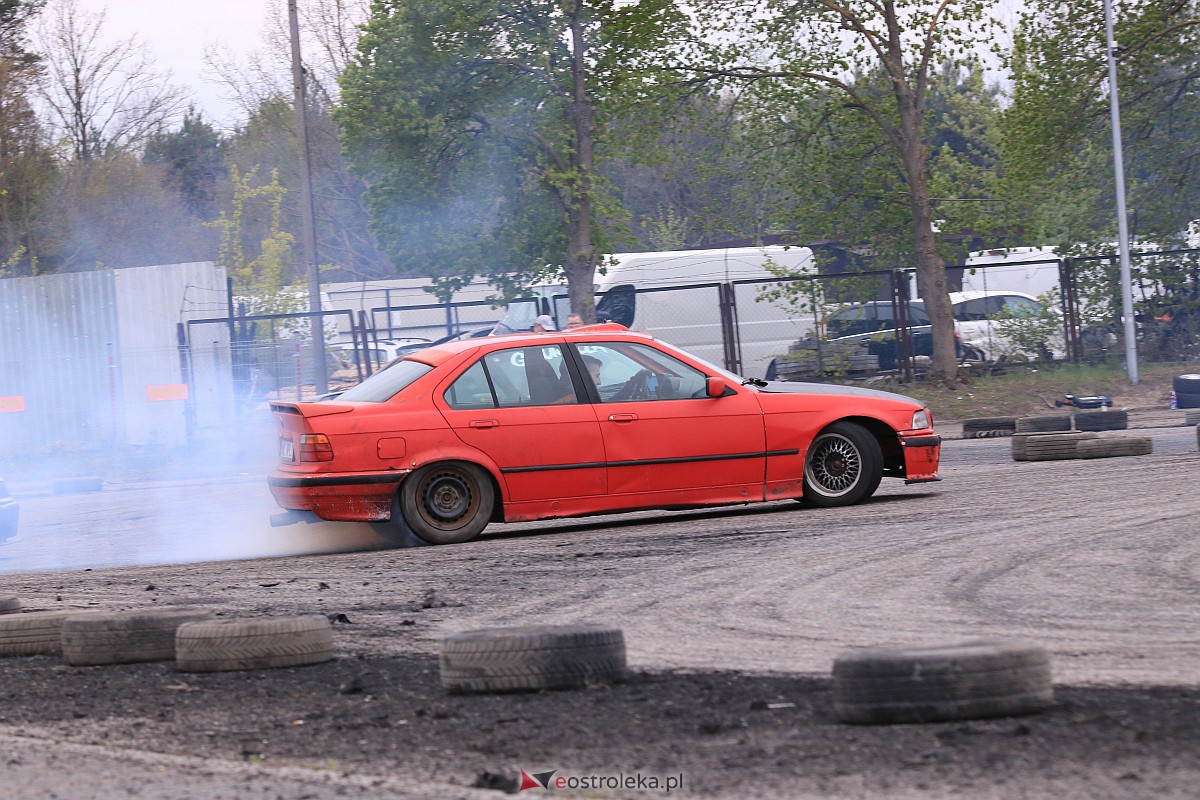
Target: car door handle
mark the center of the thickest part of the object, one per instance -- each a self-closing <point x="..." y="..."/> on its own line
<point x="484" y="423"/>
<point x="622" y="417"/>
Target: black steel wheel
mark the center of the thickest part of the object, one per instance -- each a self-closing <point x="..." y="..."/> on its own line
<point x="447" y="503"/>
<point x="844" y="466"/>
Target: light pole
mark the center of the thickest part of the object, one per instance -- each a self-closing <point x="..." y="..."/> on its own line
<point x="307" y="217"/>
<point x="1122" y="222"/>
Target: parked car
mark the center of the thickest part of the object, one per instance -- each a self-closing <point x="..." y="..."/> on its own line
<point x="595" y="420"/>
<point x="9" y="511"/>
<point x="977" y="333"/>
<point x="382" y="351"/>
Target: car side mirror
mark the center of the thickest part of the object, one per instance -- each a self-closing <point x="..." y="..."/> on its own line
<point x="714" y="386"/>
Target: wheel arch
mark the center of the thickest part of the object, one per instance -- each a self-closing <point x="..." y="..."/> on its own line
<point x="889" y="442"/>
<point x="477" y="459"/>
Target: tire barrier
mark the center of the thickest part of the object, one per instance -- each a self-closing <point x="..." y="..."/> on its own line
<point x="989" y="424"/>
<point x="1116" y="446"/>
<point x="529" y="658"/>
<point x="125" y="637"/>
<point x="226" y="645"/>
<point x="1187" y="390"/>
<point x="970" y="680"/>
<point x="1043" y="423"/>
<point x="1109" y="420"/>
<point x="9" y="605"/>
<point x="77" y="485"/>
<point x="1055" y="446"/>
<point x="34" y="633"/>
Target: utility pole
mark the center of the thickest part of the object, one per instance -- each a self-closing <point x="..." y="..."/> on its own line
<point x="307" y="217"/>
<point x="1122" y="223"/>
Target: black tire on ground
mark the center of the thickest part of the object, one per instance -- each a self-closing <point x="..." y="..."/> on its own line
<point x="970" y="680"/>
<point x="1187" y="400"/>
<point x="1191" y="418"/>
<point x="1116" y="446"/>
<point x="77" y="485"/>
<point x="1043" y="423"/>
<point x="125" y="637"/>
<point x="1055" y="446"/>
<point x="844" y="466"/>
<point x="992" y="434"/>
<point x="989" y="424"/>
<point x="9" y="605"/>
<point x="225" y="645"/>
<point x="448" y="502"/>
<point x="33" y="632"/>
<point x="533" y="657"/>
<point x="1186" y="384"/>
<point x="1114" y="419"/>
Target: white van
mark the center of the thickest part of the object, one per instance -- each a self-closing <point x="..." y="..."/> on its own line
<point x="1030" y="270"/>
<point x="674" y="295"/>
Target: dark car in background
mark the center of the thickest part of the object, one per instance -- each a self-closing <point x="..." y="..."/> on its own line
<point x="8" y="513"/>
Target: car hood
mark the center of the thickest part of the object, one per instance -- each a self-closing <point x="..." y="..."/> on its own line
<point x="796" y="387"/>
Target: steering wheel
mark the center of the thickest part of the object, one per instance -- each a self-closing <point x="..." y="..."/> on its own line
<point x="637" y="388"/>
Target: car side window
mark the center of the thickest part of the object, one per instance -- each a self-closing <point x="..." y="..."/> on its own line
<point x="521" y="376"/>
<point x="471" y="389"/>
<point x="627" y="371"/>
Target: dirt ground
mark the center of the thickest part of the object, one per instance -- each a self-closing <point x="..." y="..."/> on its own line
<point x="725" y="734"/>
<point x="732" y="619"/>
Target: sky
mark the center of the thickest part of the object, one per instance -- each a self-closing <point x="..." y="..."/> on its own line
<point x="177" y="32"/>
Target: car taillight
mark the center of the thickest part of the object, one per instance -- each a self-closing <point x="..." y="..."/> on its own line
<point x="315" y="447"/>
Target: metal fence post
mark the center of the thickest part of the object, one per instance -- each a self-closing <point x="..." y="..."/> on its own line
<point x="727" y="300"/>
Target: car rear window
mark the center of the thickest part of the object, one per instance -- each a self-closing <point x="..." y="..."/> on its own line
<point x="387" y="383"/>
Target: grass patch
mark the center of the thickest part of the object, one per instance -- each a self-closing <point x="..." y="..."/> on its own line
<point x="1032" y="389"/>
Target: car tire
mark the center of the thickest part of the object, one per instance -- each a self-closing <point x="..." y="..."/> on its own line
<point x="9" y="605"/>
<point x="971" y="680"/>
<point x="1110" y="420"/>
<point x="1043" y="423"/>
<point x="1055" y="446"/>
<point x="531" y="658"/>
<point x="447" y="503"/>
<point x="125" y="637"/>
<point x="228" y="645"/>
<point x="989" y="424"/>
<point x="34" y="632"/>
<point x="1115" y="446"/>
<point x="1186" y="384"/>
<point x="844" y="466"/>
<point x="1187" y="400"/>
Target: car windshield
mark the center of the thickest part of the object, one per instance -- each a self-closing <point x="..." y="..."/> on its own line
<point x="387" y="383"/>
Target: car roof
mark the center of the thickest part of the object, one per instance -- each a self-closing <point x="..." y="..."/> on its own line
<point x="440" y="353"/>
<point x="975" y="294"/>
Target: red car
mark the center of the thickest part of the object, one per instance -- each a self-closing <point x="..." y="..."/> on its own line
<point x="589" y="421"/>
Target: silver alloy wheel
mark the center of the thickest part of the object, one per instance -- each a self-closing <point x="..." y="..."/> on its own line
<point x="834" y="466"/>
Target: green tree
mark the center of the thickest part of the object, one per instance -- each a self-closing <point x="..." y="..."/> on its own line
<point x="193" y="161"/>
<point x="480" y="125"/>
<point x="880" y="60"/>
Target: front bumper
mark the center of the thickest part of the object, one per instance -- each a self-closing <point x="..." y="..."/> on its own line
<point x="338" y="497"/>
<point x="922" y="457"/>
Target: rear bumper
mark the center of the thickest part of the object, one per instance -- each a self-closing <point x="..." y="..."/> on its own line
<point x="922" y="457"/>
<point x="338" y="497"/>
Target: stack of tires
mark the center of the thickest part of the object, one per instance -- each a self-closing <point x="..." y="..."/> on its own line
<point x="1187" y="390"/>
<point x="988" y="427"/>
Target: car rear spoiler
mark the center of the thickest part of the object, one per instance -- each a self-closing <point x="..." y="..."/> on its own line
<point x="309" y="410"/>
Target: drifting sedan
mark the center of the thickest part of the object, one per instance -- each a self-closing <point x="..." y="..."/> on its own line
<point x="591" y="421"/>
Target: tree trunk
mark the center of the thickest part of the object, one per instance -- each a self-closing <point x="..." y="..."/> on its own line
<point x="581" y="254"/>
